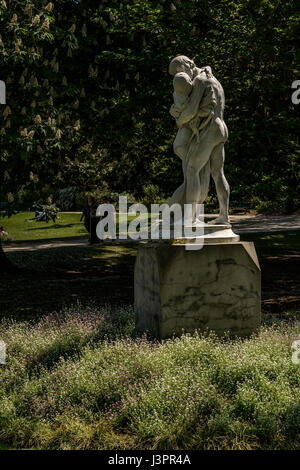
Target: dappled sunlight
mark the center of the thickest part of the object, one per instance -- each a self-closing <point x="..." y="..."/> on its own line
<point x="54" y="277"/>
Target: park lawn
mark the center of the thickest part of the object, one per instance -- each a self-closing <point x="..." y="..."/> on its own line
<point x="19" y="229"/>
<point x="56" y="277"/>
<point x="67" y="226"/>
<point x="51" y="279"/>
<point x="275" y="243"/>
<point x="77" y="377"/>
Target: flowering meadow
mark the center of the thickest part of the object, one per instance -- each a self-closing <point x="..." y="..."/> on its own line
<point x="82" y="379"/>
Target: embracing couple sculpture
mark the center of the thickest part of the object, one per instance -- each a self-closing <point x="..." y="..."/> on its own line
<point x="198" y="109"/>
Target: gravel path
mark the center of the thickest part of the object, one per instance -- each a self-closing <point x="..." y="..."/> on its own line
<point x="251" y="223"/>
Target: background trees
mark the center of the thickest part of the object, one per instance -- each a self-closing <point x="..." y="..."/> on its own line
<point x="88" y="94"/>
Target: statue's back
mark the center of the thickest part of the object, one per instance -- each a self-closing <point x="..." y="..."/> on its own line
<point x="219" y="97"/>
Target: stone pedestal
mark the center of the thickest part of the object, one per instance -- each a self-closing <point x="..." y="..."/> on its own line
<point x="215" y="288"/>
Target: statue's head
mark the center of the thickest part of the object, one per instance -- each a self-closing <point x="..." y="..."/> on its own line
<point x="182" y="63"/>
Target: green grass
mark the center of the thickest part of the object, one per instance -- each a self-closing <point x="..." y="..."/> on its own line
<point x="56" y="277"/>
<point x="276" y="243"/>
<point x="67" y="226"/>
<point x="81" y="380"/>
<point x="60" y="276"/>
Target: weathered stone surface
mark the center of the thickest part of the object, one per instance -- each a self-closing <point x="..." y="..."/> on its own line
<point x="216" y="288"/>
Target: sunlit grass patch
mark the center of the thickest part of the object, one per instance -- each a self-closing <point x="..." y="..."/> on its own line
<point x="20" y="228"/>
<point x="68" y="225"/>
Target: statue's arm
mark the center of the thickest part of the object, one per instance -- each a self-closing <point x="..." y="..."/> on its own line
<point x="182" y="88"/>
<point x="192" y="108"/>
<point x="175" y="109"/>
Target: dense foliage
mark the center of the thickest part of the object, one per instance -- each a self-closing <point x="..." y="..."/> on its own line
<point x="88" y="94"/>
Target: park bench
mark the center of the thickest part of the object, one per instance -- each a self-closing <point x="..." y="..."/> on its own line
<point x="240" y="206"/>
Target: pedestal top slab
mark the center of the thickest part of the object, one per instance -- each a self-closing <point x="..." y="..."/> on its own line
<point x="201" y="232"/>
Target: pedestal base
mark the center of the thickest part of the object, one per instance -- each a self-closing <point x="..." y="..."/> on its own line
<point x="215" y="288"/>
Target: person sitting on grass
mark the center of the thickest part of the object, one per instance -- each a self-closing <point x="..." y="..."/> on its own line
<point x="3" y="233"/>
<point x="44" y="216"/>
<point x="88" y="211"/>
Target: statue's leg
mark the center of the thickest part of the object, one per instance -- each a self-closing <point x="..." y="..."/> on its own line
<point x="222" y="186"/>
<point x="182" y="141"/>
<point x="178" y="196"/>
<point x="180" y="146"/>
<point x="197" y="160"/>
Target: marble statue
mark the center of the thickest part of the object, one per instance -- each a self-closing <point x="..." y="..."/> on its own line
<point x="198" y="110"/>
<point x="204" y="277"/>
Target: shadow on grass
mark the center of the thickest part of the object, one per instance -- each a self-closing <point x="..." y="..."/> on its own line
<point x="54" y="226"/>
<point x="51" y="279"/>
<point x="85" y="235"/>
<point x="275" y="243"/>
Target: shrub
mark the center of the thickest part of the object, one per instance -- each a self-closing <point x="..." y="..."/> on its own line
<point x="66" y="198"/>
<point x="151" y="195"/>
<point x="101" y="196"/>
<point x="284" y="206"/>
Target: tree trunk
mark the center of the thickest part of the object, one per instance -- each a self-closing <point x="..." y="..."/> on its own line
<point x="6" y="266"/>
